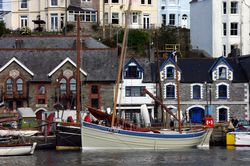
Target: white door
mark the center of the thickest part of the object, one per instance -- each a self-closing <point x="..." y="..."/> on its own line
<point x="54" y="22"/>
<point x="146" y="22"/>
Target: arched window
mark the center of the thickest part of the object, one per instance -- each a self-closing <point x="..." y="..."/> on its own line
<point x="72" y="86"/>
<point x="223" y="115"/>
<point x="9" y="87"/>
<point x="63" y="86"/>
<point x="19" y="86"/>
<point x="222" y="73"/>
<point x="170" y="72"/>
<point x="222" y="90"/>
<point x="184" y="17"/>
<point x="170" y="91"/>
<point x="196" y="92"/>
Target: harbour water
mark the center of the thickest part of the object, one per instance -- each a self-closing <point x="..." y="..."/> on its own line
<point x="196" y="157"/>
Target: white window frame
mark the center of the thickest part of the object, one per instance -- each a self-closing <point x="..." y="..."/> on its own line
<point x="217" y="90"/>
<point x="201" y="90"/>
<point x="23" y="2"/>
<point x="165" y="90"/>
<point x="23" y="20"/>
<point x="116" y="14"/>
<point x="217" y="112"/>
<point x="234" y="29"/>
<point x="55" y="26"/>
<point x="54" y="2"/>
<point x="172" y="20"/>
<point x="234" y="7"/>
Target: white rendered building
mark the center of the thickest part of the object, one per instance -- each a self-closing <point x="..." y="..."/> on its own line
<point x="174" y="13"/>
<point x="219" y="26"/>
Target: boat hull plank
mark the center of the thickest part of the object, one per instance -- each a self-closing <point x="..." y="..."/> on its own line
<point x="100" y="137"/>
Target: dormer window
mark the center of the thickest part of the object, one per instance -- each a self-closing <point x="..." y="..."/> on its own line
<point x="170" y="72"/>
<point x="222" y="73"/>
<point x="132" y="72"/>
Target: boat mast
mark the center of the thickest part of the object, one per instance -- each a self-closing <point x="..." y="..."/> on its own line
<point x="124" y="43"/>
<point x="178" y="94"/>
<point x="78" y="84"/>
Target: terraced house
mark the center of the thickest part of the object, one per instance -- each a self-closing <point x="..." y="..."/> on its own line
<point x="40" y="72"/>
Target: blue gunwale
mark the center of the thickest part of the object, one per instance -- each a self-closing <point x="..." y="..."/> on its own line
<point x="143" y="134"/>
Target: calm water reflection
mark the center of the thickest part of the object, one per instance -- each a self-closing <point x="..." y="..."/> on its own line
<point x="215" y="156"/>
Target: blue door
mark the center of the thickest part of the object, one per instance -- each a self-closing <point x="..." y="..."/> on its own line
<point x="196" y="115"/>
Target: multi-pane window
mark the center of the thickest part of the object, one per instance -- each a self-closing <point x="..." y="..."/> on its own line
<point x="234" y="7"/>
<point x="222" y="73"/>
<point x="72" y="86"/>
<point x="170" y="91"/>
<point x="54" y="21"/>
<point x="63" y="86"/>
<point x="170" y="72"/>
<point x="224" y="29"/>
<point x="106" y="18"/>
<point x="24" y="4"/>
<point x="224" y="7"/>
<point x="19" y="86"/>
<point x="234" y="29"/>
<point x="9" y="87"/>
<point x="164" y="19"/>
<point x="134" y="91"/>
<point x="196" y="92"/>
<point x="171" y="19"/>
<point x="132" y="72"/>
<point x="1" y="4"/>
<point x="115" y="18"/>
<point x="222" y="90"/>
<point x="54" y="2"/>
<point x="115" y="1"/>
<point x="135" y="18"/>
<point x="223" y="115"/>
<point x="23" y="21"/>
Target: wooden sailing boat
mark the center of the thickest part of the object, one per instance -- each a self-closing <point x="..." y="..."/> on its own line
<point x="68" y="136"/>
<point x="101" y="137"/>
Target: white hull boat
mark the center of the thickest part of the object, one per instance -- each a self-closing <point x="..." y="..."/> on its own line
<point x="101" y="137"/>
<point x="17" y="149"/>
<point x="240" y="138"/>
<point x="17" y="132"/>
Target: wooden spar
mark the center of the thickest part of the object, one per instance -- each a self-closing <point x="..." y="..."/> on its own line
<point x="178" y="94"/>
<point x="124" y="43"/>
<point x="164" y="119"/>
<point x="78" y="84"/>
<point x="159" y="102"/>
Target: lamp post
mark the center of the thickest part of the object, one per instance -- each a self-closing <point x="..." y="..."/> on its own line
<point x="208" y="98"/>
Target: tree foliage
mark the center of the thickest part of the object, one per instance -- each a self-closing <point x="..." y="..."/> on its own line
<point x="3" y="29"/>
<point x="138" y="40"/>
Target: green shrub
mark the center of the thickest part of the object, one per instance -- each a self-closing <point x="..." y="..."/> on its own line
<point x="25" y="31"/>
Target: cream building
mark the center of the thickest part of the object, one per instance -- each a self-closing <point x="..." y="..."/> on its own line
<point x="51" y="12"/>
<point x="143" y="13"/>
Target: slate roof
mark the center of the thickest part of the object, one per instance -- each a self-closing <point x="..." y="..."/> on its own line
<point x="245" y="64"/>
<point x="196" y="70"/>
<point x="148" y="67"/>
<point x="49" y="42"/>
<point x="99" y="64"/>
